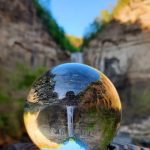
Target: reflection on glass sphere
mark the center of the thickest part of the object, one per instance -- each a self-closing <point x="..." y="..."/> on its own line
<point x="72" y="101"/>
<point x="73" y="144"/>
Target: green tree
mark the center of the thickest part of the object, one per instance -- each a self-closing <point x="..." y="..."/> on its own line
<point x="105" y="16"/>
<point x="53" y="28"/>
<point x="119" y="6"/>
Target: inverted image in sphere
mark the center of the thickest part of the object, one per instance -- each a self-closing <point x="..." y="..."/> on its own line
<point x="72" y="101"/>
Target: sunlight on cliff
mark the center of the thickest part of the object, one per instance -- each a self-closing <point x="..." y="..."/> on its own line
<point x="135" y="11"/>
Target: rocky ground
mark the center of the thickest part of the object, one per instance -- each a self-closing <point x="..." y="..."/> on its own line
<point x="139" y="132"/>
<point x="113" y="146"/>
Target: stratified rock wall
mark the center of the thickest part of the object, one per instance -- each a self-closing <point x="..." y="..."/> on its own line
<point x="123" y="47"/>
<point x="122" y="52"/>
<point x="24" y="39"/>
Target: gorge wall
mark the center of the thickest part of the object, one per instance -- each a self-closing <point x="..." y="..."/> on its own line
<point x="122" y="51"/>
<point x="26" y="50"/>
<point x="24" y="39"/>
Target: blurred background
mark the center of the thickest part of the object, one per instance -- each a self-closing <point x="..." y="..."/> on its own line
<point x="112" y="36"/>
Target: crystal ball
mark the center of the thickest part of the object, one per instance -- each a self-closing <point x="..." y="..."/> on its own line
<point x="75" y="102"/>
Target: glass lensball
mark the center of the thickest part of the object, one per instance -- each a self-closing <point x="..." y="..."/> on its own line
<point x="75" y="102"/>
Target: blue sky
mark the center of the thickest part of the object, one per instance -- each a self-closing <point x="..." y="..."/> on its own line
<point x="76" y="15"/>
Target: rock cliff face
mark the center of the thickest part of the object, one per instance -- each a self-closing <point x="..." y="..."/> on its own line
<point x="122" y="51"/>
<point x="24" y="39"/>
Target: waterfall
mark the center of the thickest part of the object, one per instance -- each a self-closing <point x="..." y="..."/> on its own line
<point x="70" y="111"/>
<point x="77" y="57"/>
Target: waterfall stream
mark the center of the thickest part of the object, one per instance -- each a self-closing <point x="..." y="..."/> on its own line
<point x="70" y="112"/>
<point x="77" y="57"/>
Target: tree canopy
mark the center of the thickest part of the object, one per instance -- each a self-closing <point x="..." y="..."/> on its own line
<point x="54" y="29"/>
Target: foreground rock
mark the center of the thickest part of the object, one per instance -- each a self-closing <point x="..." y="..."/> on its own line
<point x="113" y="146"/>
